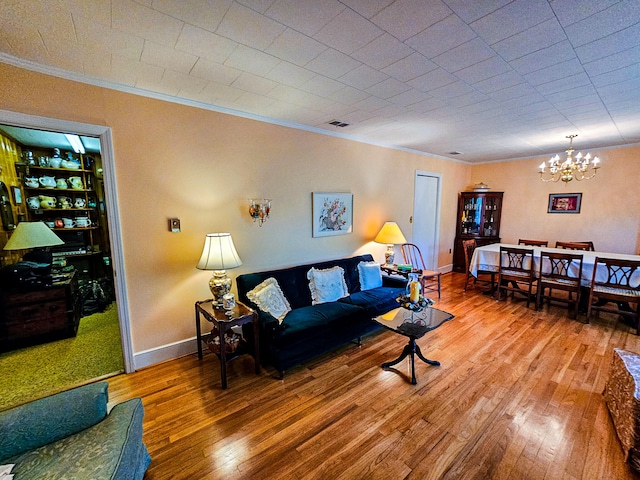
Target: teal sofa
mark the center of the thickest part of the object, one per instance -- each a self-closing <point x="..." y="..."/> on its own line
<point x="71" y="435"/>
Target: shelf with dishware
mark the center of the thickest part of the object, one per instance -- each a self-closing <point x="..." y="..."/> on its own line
<point x="478" y="218"/>
<point x="61" y="194"/>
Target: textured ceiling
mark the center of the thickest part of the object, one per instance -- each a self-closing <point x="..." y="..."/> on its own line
<point x="490" y="79"/>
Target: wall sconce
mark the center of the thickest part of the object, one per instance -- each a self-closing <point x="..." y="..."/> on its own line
<point x="259" y="209"/>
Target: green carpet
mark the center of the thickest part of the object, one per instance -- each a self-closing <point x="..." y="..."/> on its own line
<point x="42" y="370"/>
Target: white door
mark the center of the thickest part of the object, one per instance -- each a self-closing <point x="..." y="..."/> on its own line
<point x="426" y="216"/>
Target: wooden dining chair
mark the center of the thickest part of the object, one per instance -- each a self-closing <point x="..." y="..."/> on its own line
<point x="559" y="271"/>
<point x="430" y="279"/>
<point x="515" y="272"/>
<point x="533" y="243"/>
<point x="469" y="246"/>
<point x="592" y="248"/>
<point x="574" y="246"/>
<point x="616" y="281"/>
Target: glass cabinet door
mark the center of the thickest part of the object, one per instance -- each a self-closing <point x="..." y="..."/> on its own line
<point x="472" y="216"/>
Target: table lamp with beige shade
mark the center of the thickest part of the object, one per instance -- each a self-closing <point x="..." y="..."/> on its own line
<point x="219" y="254"/>
<point x="391" y="235"/>
<point x="34" y="236"/>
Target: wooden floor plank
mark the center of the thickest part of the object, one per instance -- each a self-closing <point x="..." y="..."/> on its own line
<point x="518" y="396"/>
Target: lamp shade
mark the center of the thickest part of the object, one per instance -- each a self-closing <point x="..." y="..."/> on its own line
<point x="390" y="234"/>
<point x="219" y="253"/>
<point x="32" y="235"/>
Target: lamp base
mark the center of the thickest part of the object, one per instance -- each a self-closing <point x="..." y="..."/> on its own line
<point x="389" y="255"/>
<point x="220" y="285"/>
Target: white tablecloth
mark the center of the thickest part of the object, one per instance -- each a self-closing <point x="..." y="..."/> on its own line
<point x="488" y="258"/>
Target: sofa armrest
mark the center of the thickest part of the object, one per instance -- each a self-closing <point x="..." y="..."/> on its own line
<point x="51" y="418"/>
<point x="111" y="449"/>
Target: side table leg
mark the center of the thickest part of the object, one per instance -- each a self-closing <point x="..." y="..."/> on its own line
<point x="435" y="363"/>
<point x="223" y="355"/>
<point x="198" y="333"/>
<point x="256" y="344"/>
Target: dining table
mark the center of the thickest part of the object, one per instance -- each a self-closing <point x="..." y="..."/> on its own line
<point x="487" y="258"/>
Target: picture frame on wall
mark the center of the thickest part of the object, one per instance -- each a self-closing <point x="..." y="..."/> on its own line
<point x="17" y="195"/>
<point x="564" y="203"/>
<point x="332" y="214"/>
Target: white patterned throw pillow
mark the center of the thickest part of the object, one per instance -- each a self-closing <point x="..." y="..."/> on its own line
<point x="269" y="298"/>
<point x="327" y="285"/>
<point x="370" y="275"/>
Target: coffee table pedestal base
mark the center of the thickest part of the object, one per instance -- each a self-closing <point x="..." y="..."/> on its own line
<point x="410" y="350"/>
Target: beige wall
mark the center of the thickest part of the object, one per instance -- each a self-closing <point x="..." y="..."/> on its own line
<point x="202" y="166"/>
<point x="610" y="212"/>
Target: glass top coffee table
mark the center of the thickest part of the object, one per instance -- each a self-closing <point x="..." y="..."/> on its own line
<point x="413" y="325"/>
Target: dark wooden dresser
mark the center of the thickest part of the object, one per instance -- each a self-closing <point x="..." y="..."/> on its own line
<point x="33" y="315"/>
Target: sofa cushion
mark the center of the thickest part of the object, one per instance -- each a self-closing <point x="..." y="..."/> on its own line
<point x="327" y="285"/>
<point x="375" y="301"/>
<point x="32" y="425"/>
<point x="302" y="322"/>
<point x="269" y="298"/>
<point x="370" y="275"/>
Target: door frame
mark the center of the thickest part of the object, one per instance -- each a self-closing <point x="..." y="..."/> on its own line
<point x="438" y="177"/>
<point x="113" y="212"/>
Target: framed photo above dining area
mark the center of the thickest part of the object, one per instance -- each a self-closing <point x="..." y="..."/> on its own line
<point x="332" y="214"/>
<point x="564" y="203"/>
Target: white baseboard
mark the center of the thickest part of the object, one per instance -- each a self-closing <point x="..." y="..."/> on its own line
<point x="165" y="352"/>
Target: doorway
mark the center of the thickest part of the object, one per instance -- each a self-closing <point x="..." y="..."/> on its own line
<point x="426" y="216"/>
<point x="103" y="134"/>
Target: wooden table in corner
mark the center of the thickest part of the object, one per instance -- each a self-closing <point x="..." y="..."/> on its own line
<point x="222" y="323"/>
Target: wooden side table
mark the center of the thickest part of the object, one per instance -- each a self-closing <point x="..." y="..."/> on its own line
<point x="222" y="324"/>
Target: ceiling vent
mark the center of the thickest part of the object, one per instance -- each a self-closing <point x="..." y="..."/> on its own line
<point x="455" y="152"/>
<point x="338" y="123"/>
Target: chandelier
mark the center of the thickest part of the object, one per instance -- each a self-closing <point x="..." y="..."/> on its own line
<point x="580" y="168"/>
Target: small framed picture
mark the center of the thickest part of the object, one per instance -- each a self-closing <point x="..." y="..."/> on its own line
<point x="332" y="214"/>
<point x="564" y="202"/>
<point x="17" y="195"/>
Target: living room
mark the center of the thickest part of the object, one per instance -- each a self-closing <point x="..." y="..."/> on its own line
<point x="177" y="160"/>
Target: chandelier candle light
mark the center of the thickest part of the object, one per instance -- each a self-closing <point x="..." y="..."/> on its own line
<point x="259" y="209"/>
<point x="580" y="168"/>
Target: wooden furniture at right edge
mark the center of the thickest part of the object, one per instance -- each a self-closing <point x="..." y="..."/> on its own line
<point x="478" y="219"/>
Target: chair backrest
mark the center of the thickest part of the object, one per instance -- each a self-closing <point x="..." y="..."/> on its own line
<point x="563" y="267"/>
<point x="515" y="259"/>
<point x="616" y="274"/>
<point x="592" y="248"/>
<point x="574" y="246"/>
<point x="533" y="243"/>
<point x="468" y="246"/>
<point x="412" y="256"/>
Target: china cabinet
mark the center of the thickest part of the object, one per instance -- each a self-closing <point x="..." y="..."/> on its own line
<point x="479" y="219"/>
<point x="65" y="199"/>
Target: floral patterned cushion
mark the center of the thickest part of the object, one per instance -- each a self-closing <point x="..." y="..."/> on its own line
<point x="269" y="298"/>
<point x="327" y="285"/>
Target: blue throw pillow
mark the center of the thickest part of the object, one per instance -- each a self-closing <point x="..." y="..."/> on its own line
<point x="370" y="275"/>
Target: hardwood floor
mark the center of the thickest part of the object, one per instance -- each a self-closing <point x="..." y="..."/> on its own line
<point x="518" y="396"/>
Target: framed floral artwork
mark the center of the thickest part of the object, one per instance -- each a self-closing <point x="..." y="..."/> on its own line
<point x="564" y="202"/>
<point x="332" y="214"/>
